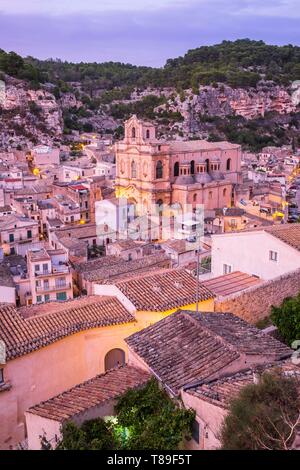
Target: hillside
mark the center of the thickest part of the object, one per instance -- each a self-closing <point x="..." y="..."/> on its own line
<point x="242" y="91"/>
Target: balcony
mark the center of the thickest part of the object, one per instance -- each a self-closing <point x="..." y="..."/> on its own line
<point x="56" y="270"/>
<point x="54" y="288"/>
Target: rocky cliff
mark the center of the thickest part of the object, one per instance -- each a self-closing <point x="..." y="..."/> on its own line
<point x="39" y="116"/>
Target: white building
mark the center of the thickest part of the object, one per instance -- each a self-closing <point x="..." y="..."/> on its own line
<point x="18" y="234"/>
<point x="266" y="252"/>
<point x="107" y="169"/>
<point x="50" y="276"/>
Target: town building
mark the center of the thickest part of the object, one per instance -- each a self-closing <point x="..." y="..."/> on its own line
<point x="149" y="171"/>
<point x="49" y="275"/>
<point x="18" y="234"/>
<point x="216" y="346"/>
<point x="265" y="252"/>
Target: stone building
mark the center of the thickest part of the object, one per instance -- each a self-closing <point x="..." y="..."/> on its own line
<point x="149" y="171"/>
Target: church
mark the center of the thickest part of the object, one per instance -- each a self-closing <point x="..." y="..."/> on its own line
<point x="150" y="171"/>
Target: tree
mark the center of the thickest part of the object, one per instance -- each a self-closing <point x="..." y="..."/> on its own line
<point x="94" y="434"/>
<point x="264" y="415"/>
<point x="287" y="319"/>
<point x="152" y="419"/>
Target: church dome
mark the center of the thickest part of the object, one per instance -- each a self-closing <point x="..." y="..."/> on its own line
<point x="184" y="179"/>
<point x="217" y="175"/>
<point x="203" y="178"/>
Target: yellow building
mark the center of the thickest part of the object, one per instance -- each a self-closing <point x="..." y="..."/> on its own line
<point x="152" y="296"/>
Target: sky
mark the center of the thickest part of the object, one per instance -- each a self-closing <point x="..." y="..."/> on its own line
<point x="141" y="32"/>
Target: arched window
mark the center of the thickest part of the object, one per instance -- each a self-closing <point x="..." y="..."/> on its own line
<point x="224" y="192"/>
<point x="176" y="169"/>
<point x="210" y="195"/>
<point x="114" y="358"/>
<point x="159" y="207"/>
<point x="228" y="164"/>
<point x="133" y="133"/>
<point x="147" y="134"/>
<point x="133" y="169"/>
<point x="195" y="197"/>
<point x="207" y="165"/>
<point x="159" y="170"/>
<point x="192" y="167"/>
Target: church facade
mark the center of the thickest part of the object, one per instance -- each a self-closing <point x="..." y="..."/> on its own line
<point x="150" y="171"/>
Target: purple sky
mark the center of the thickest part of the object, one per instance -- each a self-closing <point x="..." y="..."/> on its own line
<point x="144" y="32"/>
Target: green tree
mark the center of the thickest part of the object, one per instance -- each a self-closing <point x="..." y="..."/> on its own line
<point x="287" y="318"/>
<point x="152" y="419"/>
<point x="94" y="434"/>
<point x="264" y="415"/>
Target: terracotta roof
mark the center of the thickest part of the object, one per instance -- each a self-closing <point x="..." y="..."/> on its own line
<point x="163" y="291"/>
<point x="25" y="335"/>
<point x="231" y="283"/>
<point x="179" y="246"/>
<point x="186" y="347"/>
<point x="122" y="267"/>
<point x="288" y="233"/>
<point x="79" y="231"/>
<point x="221" y="391"/>
<point x="94" y="392"/>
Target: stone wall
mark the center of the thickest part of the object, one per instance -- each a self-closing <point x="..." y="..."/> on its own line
<point x="255" y="303"/>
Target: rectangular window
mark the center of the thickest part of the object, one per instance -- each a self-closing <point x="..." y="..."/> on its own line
<point x="47" y="298"/>
<point x="36" y="267"/>
<point x="29" y="234"/>
<point x="273" y="255"/>
<point x="1" y="376"/>
<point x="45" y="268"/>
<point x="61" y="296"/>
<point x="39" y="299"/>
<point x="196" y="431"/>
<point x="11" y="237"/>
<point x="227" y="269"/>
<point x="61" y="282"/>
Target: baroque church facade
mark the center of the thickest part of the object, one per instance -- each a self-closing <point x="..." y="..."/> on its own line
<point x="150" y="171"/>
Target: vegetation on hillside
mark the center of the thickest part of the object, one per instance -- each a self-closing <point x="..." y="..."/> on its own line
<point x="239" y="63"/>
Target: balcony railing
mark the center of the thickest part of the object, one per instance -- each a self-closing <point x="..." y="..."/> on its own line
<point x="54" y="288"/>
<point x="57" y="269"/>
